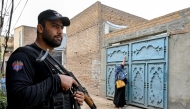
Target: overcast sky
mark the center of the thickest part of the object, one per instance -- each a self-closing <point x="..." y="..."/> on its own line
<point x="147" y="9"/>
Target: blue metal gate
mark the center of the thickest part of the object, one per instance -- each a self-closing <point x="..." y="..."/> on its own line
<point x="147" y="71"/>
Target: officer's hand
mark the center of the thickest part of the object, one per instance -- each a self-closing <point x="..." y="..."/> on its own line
<point x="79" y="96"/>
<point x="67" y="82"/>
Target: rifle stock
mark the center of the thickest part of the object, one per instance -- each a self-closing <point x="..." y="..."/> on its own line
<point x="87" y="97"/>
<point x="89" y="101"/>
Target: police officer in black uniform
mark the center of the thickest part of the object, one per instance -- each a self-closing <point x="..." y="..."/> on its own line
<point x="30" y="84"/>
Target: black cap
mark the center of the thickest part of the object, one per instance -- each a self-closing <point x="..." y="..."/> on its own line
<point x="52" y="15"/>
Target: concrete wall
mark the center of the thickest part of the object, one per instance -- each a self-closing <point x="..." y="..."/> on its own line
<point x="179" y="71"/>
<point x="16" y="36"/>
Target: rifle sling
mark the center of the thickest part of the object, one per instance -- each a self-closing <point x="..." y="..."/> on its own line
<point x="57" y="99"/>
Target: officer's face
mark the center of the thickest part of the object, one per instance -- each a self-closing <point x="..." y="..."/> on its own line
<point x="53" y="33"/>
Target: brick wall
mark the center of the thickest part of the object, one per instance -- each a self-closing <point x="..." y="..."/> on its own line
<point x="151" y="23"/>
<point x="85" y="37"/>
<point x="83" y="58"/>
<point x="119" y="17"/>
<point x="84" y="20"/>
<point x="30" y="34"/>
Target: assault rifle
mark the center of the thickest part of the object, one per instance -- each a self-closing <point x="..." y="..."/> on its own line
<point x="48" y="61"/>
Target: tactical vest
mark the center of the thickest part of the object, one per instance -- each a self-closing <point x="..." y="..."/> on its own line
<point x="58" y="101"/>
<point x="61" y="100"/>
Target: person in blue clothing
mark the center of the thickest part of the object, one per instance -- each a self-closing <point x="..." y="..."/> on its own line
<point x="119" y="96"/>
<point x="3" y="85"/>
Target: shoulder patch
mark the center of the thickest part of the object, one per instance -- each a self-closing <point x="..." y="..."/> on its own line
<point x="17" y="65"/>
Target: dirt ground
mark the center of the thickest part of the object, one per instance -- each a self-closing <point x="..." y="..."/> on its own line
<point x="103" y="103"/>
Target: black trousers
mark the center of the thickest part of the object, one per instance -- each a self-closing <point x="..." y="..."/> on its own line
<point x="119" y="97"/>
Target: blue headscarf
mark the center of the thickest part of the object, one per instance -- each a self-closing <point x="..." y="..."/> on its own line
<point x="119" y="70"/>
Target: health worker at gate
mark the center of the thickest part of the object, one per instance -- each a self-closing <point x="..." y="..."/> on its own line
<point x="119" y="96"/>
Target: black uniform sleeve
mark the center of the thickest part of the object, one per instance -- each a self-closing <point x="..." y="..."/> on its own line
<point x="22" y="91"/>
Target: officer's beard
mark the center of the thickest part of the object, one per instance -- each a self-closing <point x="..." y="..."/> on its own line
<point x="49" y="40"/>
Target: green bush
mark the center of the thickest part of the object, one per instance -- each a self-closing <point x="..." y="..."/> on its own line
<point x="3" y="100"/>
